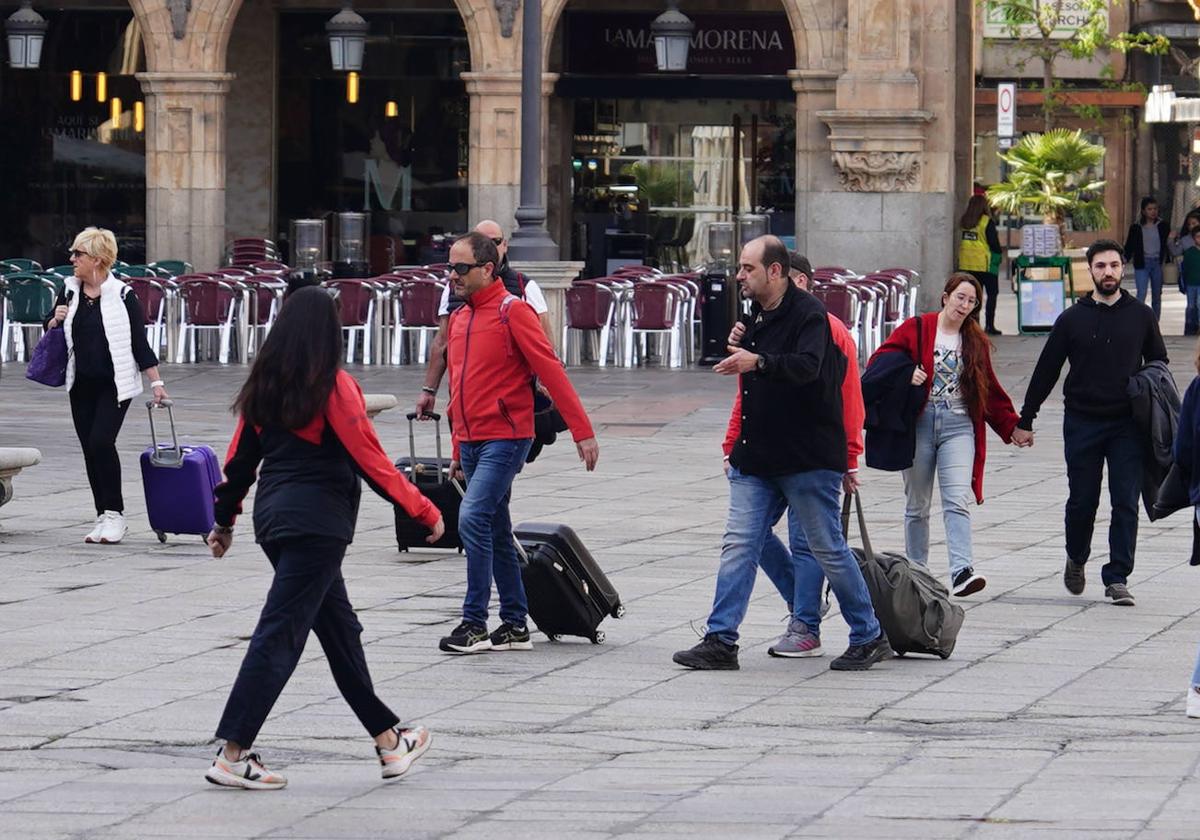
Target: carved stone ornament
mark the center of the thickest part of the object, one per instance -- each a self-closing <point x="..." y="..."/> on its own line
<point x="878" y="171"/>
<point x="179" y="11"/>
<point x="506" y="10"/>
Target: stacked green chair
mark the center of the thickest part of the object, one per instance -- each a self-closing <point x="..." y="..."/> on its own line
<point x="28" y="299"/>
<point x="21" y="264"/>
<point x="174" y="268"/>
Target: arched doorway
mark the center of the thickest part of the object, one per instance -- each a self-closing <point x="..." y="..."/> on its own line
<point x="640" y="162"/>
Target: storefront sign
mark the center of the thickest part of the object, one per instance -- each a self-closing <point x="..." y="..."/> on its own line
<point x="997" y="21"/>
<point x="620" y="44"/>
<point x="1006" y="109"/>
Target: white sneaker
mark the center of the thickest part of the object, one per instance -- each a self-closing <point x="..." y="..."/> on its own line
<point x="247" y="773"/>
<point x="94" y="534"/>
<point x="1193" y="701"/>
<point x="113" y="530"/>
<point x="411" y="744"/>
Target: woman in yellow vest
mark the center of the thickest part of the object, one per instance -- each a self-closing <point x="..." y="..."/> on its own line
<point x="979" y="254"/>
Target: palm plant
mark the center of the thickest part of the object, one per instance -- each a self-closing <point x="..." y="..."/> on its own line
<point x="1052" y="174"/>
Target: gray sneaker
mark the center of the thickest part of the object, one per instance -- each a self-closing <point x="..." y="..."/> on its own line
<point x="1119" y="594"/>
<point x="1073" y="577"/>
<point x="798" y="642"/>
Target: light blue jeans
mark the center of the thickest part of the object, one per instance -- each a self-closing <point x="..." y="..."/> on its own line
<point x="815" y="527"/>
<point x="1151" y="276"/>
<point x="945" y="448"/>
<point x="794" y="572"/>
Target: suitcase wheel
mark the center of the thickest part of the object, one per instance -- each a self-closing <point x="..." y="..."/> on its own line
<point x="598" y="637"/>
<point x="618" y="611"/>
<point x="554" y="637"/>
<point x="162" y="536"/>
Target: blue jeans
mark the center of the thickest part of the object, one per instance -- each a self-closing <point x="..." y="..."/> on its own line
<point x="814" y="524"/>
<point x="1191" y="317"/>
<point x="945" y="448"/>
<point x="486" y="529"/>
<point x="1152" y="276"/>
<point x="1196" y="673"/>
<point x="795" y="573"/>
<point x="1089" y="442"/>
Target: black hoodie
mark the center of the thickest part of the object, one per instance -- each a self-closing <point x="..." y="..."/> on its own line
<point x="1105" y="345"/>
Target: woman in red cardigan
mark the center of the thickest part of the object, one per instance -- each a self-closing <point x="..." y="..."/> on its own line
<point x="962" y="393"/>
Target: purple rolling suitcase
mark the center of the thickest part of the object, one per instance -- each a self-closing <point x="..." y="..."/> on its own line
<point x="179" y="483"/>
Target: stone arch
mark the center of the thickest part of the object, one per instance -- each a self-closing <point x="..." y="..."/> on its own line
<point x="206" y="35"/>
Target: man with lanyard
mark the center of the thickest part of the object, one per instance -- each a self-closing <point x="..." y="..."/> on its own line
<point x="1107" y="336"/>
<point x="517" y="284"/>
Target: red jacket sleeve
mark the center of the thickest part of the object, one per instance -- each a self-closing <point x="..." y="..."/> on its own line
<point x="346" y="413"/>
<point x="735" y="422"/>
<point x="854" y="412"/>
<point x="999" y="412"/>
<point x="241" y="470"/>
<point x="535" y="348"/>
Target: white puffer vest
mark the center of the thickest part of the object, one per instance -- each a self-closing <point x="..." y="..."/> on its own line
<point x="114" y="315"/>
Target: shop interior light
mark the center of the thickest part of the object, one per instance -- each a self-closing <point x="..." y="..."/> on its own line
<point x="26" y="31"/>
<point x="139" y="116"/>
<point x="672" y="31"/>
<point x="114" y="106"/>
<point x="391" y="109"/>
<point x="352" y="88"/>
<point x="347" y="33"/>
<point x="592" y="165"/>
<point x="101" y="87"/>
<point x="76" y="85"/>
<point x="577" y="164"/>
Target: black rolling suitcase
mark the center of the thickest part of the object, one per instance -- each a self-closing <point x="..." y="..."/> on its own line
<point x="432" y="477"/>
<point x="568" y="593"/>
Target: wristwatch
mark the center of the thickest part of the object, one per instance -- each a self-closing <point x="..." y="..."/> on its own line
<point x="761" y="364"/>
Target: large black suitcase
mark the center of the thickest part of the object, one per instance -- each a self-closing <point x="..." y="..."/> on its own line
<point x="432" y="478"/>
<point x="568" y="593"/>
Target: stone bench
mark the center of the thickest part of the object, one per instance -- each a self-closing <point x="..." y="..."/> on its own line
<point x="377" y="403"/>
<point x="12" y="461"/>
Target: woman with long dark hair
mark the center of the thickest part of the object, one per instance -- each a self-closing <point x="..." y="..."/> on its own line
<point x="303" y="429"/>
<point x="979" y="253"/>
<point x="1146" y="246"/>
<point x="954" y="364"/>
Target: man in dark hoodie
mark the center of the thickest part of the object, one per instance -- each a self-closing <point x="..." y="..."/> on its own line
<point x="1107" y="336"/>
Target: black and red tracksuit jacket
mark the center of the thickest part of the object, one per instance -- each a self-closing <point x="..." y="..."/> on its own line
<point x="308" y="484"/>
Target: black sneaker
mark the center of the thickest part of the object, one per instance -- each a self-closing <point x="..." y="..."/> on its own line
<point x="966" y="582"/>
<point x="511" y="637"/>
<point x="1119" y="594"/>
<point x="710" y="655"/>
<point x="467" y="638"/>
<point x="993" y="331"/>
<point x="1073" y="577"/>
<point x="862" y="657"/>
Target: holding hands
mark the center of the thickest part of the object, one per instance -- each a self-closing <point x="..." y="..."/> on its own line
<point x="1022" y="438"/>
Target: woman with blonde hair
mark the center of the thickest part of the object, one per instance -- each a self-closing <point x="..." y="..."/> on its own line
<point x="105" y="329"/>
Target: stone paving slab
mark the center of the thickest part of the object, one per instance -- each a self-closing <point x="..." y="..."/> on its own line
<point x="1056" y="717"/>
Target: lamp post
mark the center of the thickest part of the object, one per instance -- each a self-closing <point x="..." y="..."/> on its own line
<point x="672" y="31"/>
<point x="26" y="30"/>
<point x="531" y="241"/>
<point x="347" y="32"/>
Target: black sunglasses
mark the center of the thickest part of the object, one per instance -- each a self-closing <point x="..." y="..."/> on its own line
<point x="497" y="241"/>
<point x="75" y="252"/>
<point x="463" y="269"/>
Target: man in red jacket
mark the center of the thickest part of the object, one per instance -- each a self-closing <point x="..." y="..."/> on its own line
<point x="799" y="581"/>
<point x="495" y="348"/>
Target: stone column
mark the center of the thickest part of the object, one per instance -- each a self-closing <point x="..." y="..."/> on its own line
<point x="554" y="278"/>
<point x="494" y="176"/>
<point x="185" y="166"/>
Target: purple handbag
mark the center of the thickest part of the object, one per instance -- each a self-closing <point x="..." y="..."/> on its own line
<point x="48" y="364"/>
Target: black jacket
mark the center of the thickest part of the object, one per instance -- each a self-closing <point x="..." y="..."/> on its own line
<point x="893" y="404"/>
<point x="1106" y="345"/>
<point x="792" y="409"/>
<point x="1154" y="400"/>
<point x="1135" y="249"/>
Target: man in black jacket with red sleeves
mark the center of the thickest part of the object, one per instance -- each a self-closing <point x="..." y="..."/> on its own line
<point x="792" y="448"/>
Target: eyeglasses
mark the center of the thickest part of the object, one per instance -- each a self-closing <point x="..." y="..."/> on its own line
<point x="463" y="269"/>
<point x="76" y="253"/>
<point x="497" y="241"/>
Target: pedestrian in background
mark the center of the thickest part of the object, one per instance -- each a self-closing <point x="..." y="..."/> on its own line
<point x="1187" y="457"/>
<point x="107" y="352"/>
<point x="1146" y="246"/>
<point x="1190" y="278"/>
<point x="963" y="397"/>
<point x="979" y="254"/>
<point x="1107" y="336"/>
<point x="303" y="431"/>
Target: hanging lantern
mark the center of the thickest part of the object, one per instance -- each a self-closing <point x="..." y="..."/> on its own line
<point x="391" y="109"/>
<point x="26" y="31"/>
<point x="139" y="116"/>
<point x="115" y="111"/>
<point x="347" y="32"/>
<point x="672" y="31"/>
<point x="76" y="85"/>
<point x="352" y="88"/>
<point x="102" y="87"/>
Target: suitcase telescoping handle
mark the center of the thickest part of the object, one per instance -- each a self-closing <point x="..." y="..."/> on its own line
<point x="412" y="444"/>
<point x="164" y="456"/>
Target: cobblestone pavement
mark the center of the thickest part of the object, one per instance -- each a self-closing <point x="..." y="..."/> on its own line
<point x="1057" y="716"/>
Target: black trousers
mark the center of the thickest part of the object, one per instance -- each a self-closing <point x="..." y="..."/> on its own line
<point x="991" y="288"/>
<point x="1089" y="442"/>
<point x="98" y="418"/>
<point x="307" y="593"/>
